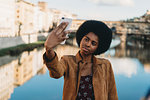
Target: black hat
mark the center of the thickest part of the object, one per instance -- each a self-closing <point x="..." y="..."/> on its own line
<point x="100" y="29"/>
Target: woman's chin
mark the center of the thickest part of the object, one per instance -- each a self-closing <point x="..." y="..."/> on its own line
<point x="84" y="52"/>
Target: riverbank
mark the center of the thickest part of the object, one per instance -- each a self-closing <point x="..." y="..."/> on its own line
<point x="20" y="48"/>
<point x="16" y="50"/>
<point x="18" y="44"/>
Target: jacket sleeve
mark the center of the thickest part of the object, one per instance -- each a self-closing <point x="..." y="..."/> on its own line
<point x="56" y="68"/>
<point x="112" y="90"/>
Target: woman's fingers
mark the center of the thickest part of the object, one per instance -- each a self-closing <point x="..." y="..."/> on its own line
<point x="64" y="34"/>
<point x="55" y="30"/>
<point x="68" y="32"/>
<point x="57" y="36"/>
<point x="61" y="28"/>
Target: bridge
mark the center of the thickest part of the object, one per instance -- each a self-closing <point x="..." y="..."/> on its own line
<point x="144" y="38"/>
<point x="140" y="30"/>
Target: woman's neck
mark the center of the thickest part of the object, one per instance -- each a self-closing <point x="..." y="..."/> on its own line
<point x="86" y="58"/>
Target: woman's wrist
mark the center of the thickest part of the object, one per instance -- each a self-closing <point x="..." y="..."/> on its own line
<point x="46" y="59"/>
<point x="50" y="53"/>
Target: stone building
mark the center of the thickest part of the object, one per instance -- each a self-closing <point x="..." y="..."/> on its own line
<point x="24" y="17"/>
<point x="7" y="18"/>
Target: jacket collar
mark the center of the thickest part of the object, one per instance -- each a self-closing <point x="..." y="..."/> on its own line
<point x="79" y="58"/>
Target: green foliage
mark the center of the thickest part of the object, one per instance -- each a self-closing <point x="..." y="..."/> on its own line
<point x="20" y="48"/>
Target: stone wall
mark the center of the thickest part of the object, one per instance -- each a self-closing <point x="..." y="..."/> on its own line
<point x="6" y="42"/>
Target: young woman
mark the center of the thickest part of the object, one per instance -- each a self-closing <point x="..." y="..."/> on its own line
<point x="85" y="76"/>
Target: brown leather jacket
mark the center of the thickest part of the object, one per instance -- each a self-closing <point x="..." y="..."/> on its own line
<point x="70" y="66"/>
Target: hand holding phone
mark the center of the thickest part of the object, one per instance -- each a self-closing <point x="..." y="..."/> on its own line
<point x="63" y="19"/>
<point x="68" y="26"/>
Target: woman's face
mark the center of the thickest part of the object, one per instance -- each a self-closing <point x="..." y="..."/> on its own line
<point x="89" y="44"/>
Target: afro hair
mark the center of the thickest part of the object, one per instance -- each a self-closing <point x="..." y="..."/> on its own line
<point x="100" y="29"/>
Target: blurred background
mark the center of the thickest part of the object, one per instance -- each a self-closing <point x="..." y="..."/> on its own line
<point x="25" y="24"/>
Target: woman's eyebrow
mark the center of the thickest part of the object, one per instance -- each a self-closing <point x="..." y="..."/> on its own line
<point x="90" y="39"/>
<point x="87" y="37"/>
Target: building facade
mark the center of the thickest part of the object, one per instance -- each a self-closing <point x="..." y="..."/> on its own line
<point x="24" y="17"/>
<point x="7" y="18"/>
<point x="47" y="18"/>
<point x="58" y="14"/>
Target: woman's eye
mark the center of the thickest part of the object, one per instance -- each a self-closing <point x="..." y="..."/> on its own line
<point x="94" y="43"/>
<point x="86" y="39"/>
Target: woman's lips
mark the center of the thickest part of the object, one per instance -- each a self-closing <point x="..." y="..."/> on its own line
<point x="85" y="49"/>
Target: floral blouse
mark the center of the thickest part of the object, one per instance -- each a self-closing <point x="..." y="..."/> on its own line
<point x="85" y="88"/>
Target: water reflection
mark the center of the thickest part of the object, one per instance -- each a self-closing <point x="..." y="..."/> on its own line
<point x="121" y="66"/>
<point x="131" y="64"/>
<point x="134" y="50"/>
<point x="6" y="81"/>
<point x="15" y="71"/>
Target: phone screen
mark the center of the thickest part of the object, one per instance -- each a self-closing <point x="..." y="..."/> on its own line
<point x="68" y="27"/>
<point x="66" y="20"/>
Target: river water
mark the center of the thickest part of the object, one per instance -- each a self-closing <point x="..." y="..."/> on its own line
<point x="24" y="77"/>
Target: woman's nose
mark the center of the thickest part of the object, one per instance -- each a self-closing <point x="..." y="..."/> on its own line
<point x="88" y="43"/>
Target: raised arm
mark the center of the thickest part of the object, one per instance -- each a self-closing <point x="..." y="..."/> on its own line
<point x="58" y="35"/>
<point x="55" y="37"/>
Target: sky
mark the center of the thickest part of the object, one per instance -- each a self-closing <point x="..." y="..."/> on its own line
<point x="108" y="10"/>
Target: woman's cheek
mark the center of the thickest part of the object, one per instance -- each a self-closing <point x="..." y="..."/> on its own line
<point x="94" y="49"/>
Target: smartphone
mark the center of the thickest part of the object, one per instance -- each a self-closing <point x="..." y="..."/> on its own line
<point x="69" y="20"/>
